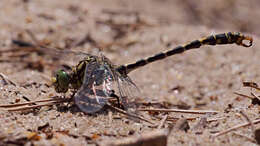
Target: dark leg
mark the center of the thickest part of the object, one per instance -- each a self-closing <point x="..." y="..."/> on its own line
<point x="112" y="94"/>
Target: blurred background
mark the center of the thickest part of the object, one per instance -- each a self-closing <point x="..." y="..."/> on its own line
<point x="125" y="31"/>
<point x="78" y="17"/>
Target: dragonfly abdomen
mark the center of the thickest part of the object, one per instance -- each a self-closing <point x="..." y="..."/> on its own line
<point x="219" y="39"/>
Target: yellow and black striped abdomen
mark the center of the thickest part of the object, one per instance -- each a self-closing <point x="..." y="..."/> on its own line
<point x="219" y="39"/>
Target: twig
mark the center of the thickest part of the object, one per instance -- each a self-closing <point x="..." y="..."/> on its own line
<point x="129" y="114"/>
<point x="33" y="106"/>
<point x="248" y="120"/>
<point x="36" y="43"/>
<point x="33" y="37"/>
<point x="193" y="118"/>
<point x="5" y="78"/>
<point x="163" y="121"/>
<point x="177" y="118"/>
<point x="246" y="137"/>
<point x="181" y="111"/>
<point x="50" y="103"/>
<point x="33" y="102"/>
<point x="242" y="95"/>
<point x="255" y="96"/>
<point x="235" y="128"/>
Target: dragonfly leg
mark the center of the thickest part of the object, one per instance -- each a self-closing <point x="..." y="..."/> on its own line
<point x="112" y="94"/>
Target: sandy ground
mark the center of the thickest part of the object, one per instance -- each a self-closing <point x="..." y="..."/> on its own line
<point x="126" y="31"/>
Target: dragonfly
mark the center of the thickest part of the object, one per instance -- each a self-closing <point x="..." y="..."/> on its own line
<point x="95" y="78"/>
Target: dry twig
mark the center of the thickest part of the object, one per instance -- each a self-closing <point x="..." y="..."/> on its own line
<point x="242" y="95"/>
<point x="7" y="80"/>
<point x="163" y="121"/>
<point x="129" y="114"/>
<point x="248" y="120"/>
<point x="246" y="137"/>
<point x="181" y="111"/>
<point x="235" y="128"/>
<point x="50" y="102"/>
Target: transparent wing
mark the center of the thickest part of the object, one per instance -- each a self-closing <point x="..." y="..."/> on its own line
<point x="67" y="57"/>
<point x="92" y="96"/>
<point x="126" y="89"/>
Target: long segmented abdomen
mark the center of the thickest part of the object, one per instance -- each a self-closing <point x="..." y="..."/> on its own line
<point x="218" y="39"/>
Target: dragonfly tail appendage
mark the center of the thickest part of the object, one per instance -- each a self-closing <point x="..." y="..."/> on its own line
<point x="227" y="38"/>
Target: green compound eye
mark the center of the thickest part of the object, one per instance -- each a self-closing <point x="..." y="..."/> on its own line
<point x="61" y="81"/>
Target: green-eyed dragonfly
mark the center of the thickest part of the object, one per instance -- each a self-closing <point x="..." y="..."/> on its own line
<point x="92" y="77"/>
<point x="95" y="78"/>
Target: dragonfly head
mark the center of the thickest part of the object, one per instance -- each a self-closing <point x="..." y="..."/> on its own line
<point x="61" y="81"/>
